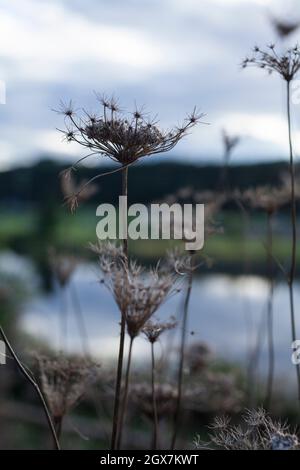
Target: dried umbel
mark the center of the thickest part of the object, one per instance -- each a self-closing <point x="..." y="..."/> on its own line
<point x="267" y="198"/>
<point x="154" y="328"/>
<point x="185" y="264"/>
<point x="257" y="432"/>
<point x="138" y="292"/>
<point x="123" y="137"/>
<point x="62" y="265"/>
<point x="74" y="193"/>
<point x="285" y="64"/>
<point x="64" y="381"/>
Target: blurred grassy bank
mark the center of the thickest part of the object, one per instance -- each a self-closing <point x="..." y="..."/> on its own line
<point x="240" y="246"/>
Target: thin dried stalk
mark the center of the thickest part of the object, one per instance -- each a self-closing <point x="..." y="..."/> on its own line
<point x="117" y="401"/>
<point x="154" y="405"/>
<point x="182" y="356"/>
<point x="294" y="231"/>
<point x="125" y="396"/>
<point x="36" y="387"/>
<point x="271" y="364"/>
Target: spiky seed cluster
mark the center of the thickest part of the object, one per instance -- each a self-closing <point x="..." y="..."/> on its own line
<point x="65" y="380"/>
<point x="138" y="292"/>
<point x="267" y="198"/>
<point x="123" y="137"/>
<point x="153" y="329"/>
<point x="62" y="266"/>
<point x="286" y="65"/>
<point x="259" y="432"/>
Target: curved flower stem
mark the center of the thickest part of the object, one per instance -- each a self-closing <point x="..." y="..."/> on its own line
<point x="271" y="364"/>
<point x="294" y="232"/>
<point x="35" y="385"/>
<point x="125" y="396"/>
<point x="122" y="338"/>
<point x="58" y="426"/>
<point x="154" y="405"/>
<point x="182" y="354"/>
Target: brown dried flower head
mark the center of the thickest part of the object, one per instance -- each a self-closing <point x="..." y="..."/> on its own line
<point x="154" y="328"/>
<point x="122" y="137"/>
<point x="65" y="380"/>
<point x="138" y="292"/>
<point x="285" y="64"/>
<point x="74" y="193"/>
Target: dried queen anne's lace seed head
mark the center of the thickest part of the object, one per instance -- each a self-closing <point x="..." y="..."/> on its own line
<point x="138" y="292"/>
<point x="123" y="137"/>
<point x="74" y="193"/>
<point x="259" y="432"/>
<point x="286" y="65"/>
<point x="64" y="381"/>
<point x="153" y="329"/>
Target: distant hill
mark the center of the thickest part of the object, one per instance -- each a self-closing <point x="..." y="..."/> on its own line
<point x="40" y="182"/>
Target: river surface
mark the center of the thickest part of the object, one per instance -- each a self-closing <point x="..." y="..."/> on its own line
<point x="226" y="312"/>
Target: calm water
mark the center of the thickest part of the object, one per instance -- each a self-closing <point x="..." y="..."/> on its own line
<point x="226" y="312"/>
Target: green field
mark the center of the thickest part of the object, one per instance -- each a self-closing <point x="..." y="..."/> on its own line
<point x="26" y="232"/>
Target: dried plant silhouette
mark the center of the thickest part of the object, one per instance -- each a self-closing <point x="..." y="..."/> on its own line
<point x="269" y="200"/>
<point x="153" y="330"/>
<point x="124" y="138"/>
<point x="257" y="432"/>
<point x="35" y="385"/>
<point x="287" y="66"/>
<point x="64" y="381"/>
<point x="138" y="294"/>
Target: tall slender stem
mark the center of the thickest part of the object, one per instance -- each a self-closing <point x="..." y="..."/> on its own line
<point x="125" y="396"/>
<point x="154" y="405"/>
<point x="270" y="311"/>
<point x="122" y="338"/>
<point x="181" y="357"/>
<point x="294" y="232"/>
<point x="35" y="385"/>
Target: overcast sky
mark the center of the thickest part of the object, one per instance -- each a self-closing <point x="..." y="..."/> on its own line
<point x="168" y="55"/>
